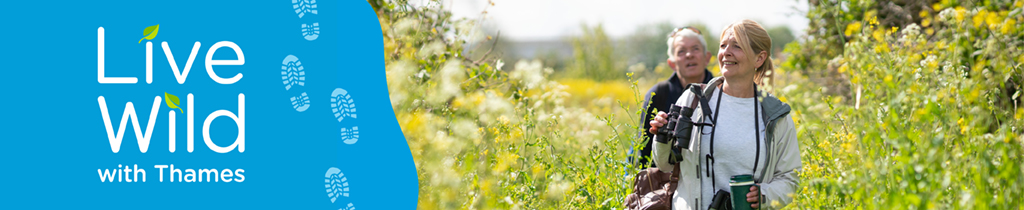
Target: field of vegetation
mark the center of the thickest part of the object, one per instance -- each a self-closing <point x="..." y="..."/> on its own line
<point x="898" y="106"/>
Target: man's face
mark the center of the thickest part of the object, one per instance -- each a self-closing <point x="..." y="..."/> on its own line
<point x="689" y="59"/>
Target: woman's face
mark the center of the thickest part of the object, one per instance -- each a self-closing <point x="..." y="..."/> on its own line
<point x="732" y="61"/>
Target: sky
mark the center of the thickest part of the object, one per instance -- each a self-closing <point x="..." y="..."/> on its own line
<point x="526" y="20"/>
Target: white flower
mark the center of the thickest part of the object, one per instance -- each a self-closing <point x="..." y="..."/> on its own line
<point x="450" y="84"/>
<point x="947" y="14"/>
<point x="929" y="59"/>
<point x="530" y="72"/>
<point x="467" y="30"/>
<point x="493" y="107"/>
<point x="557" y="187"/>
<point x="429" y="49"/>
<point x="465" y="129"/>
<point x="405" y="25"/>
<point x="398" y="74"/>
<point x="911" y="34"/>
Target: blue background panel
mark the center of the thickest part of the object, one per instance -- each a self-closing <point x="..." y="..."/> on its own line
<point x="54" y="139"/>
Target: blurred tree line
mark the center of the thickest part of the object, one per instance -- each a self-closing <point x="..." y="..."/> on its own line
<point x="597" y="56"/>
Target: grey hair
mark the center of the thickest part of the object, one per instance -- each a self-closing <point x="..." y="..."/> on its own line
<point x="685" y="33"/>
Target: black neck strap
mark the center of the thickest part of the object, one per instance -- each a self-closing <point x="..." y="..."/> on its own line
<point x="757" y="133"/>
<point x="710" y="158"/>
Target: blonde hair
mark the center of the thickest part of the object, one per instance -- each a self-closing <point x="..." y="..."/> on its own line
<point x="684" y="33"/>
<point x="754" y="38"/>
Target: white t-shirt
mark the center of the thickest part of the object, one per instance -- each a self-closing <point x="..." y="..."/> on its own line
<point x="734" y="145"/>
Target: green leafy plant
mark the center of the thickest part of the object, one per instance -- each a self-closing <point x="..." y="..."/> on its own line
<point x="923" y="111"/>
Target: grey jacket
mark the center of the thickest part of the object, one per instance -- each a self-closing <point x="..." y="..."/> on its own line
<point x="778" y="183"/>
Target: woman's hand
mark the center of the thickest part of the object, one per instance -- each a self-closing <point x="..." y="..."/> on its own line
<point x="659" y="120"/>
<point x="754" y="197"/>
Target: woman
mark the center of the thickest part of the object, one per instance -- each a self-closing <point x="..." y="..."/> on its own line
<point x="753" y="132"/>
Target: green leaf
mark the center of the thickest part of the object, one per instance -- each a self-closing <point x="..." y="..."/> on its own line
<point x="150" y="32"/>
<point x="173" y="102"/>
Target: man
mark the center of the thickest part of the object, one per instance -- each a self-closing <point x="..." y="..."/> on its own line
<point x="688" y="57"/>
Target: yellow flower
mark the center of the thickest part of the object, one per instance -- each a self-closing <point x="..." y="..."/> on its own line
<point x="979" y="66"/>
<point x="963" y="126"/>
<point x="852" y="27"/>
<point x="992" y="19"/>
<point x="951" y="91"/>
<point x="879" y="35"/>
<point x="537" y="170"/>
<point x="458" y="102"/>
<point x="1008" y="26"/>
<point x="847" y="146"/>
<point x="504" y="161"/>
<point x="941" y="95"/>
<point x="412" y="122"/>
<point x="882" y="48"/>
<point x="796" y="117"/>
<point x="920" y="113"/>
<point x="960" y="11"/>
<point x="979" y="18"/>
<point x="503" y="120"/>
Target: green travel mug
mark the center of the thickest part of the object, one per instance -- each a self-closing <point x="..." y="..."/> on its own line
<point x="740" y="185"/>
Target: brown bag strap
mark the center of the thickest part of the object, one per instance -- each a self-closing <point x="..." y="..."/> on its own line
<point x="673" y="181"/>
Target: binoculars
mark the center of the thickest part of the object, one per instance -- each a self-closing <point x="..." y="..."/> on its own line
<point x="678" y="131"/>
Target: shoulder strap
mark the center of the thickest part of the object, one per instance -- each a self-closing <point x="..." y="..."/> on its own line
<point x="702" y="99"/>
